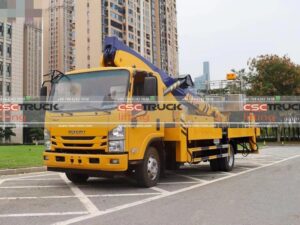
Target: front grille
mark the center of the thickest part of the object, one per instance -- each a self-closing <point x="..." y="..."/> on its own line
<point x="78" y="145"/>
<point x="83" y="142"/>
<point x="80" y="138"/>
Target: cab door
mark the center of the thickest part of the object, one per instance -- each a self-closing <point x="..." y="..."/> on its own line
<point x="145" y="122"/>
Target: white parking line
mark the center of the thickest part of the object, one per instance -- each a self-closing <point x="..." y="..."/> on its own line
<point x="193" y="178"/>
<point x="180" y="182"/>
<point x="24" y="187"/>
<point x="42" y="214"/>
<point x="74" y="196"/>
<point x="249" y="164"/>
<point x="160" y="190"/>
<point x="17" y="178"/>
<point x="225" y="173"/>
<point x="23" y="176"/>
<point x="88" y="204"/>
<point x="122" y="195"/>
<point x="126" y="206"/>
<point x="38" y="179"/>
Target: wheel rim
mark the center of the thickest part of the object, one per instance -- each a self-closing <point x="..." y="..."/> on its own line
<point x="152" y="168"/>
<point x="230" y="157"/>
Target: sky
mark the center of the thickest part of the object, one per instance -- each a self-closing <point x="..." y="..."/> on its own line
<point x="227" y="33"/>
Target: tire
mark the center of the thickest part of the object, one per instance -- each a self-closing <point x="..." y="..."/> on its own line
<point x="214" y="165"/>
<point x="77" y="178"/>
<point x="223" y="164"/>
<point x="227" y="164"/>
<point x="148" y="172"/>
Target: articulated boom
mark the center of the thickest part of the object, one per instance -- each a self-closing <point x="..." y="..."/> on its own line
<point x="117" y="54"/>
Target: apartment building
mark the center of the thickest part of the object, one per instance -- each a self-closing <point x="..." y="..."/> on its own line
<point x="168" y="36"/>
<point x="130" y="21"/>
<point x="32" y="57"/>
<point x="72" y="35"/>
<point x="74" y="31"/>
<point x="11" y="68"/>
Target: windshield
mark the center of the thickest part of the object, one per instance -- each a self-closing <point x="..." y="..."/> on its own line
<point x="101" y="90"/>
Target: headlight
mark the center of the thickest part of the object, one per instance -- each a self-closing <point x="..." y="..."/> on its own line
<point x="47" y="141"/>
<point x="46" y="135"/>
<point x="117" y="134"/>
<point x="116" y="146"/>
<point x="116" y="139"/>
<point x="48" y="145"/>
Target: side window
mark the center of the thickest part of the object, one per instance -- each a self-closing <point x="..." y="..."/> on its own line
<point x="145" y="91"/>
<point x="141" y="88"/>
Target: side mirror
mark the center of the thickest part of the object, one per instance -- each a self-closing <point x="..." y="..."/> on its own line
<point x="150" y="86"/>
<point x="44" y="92"/>
<point x="187" y="81"/>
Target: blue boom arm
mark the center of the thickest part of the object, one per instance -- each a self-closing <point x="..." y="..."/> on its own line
<point x="113" y="46"/>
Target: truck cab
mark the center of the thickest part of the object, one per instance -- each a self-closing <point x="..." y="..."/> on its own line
<point x="100" y="126"/>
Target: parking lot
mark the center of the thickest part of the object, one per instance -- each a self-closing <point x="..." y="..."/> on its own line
<point x="49" y="198"/>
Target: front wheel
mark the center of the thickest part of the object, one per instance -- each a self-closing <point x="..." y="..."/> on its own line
<point x="148" y="171"/>
<point x="77" y="178"/>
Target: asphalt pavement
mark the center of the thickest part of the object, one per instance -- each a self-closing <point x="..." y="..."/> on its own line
<point x="263" y="189"/>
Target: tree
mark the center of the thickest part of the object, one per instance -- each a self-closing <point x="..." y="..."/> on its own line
<point x="6" y="133"/>
<point x="1" y="134"/>
<point x="273" y="75"/>
<point x="36" y="133"/>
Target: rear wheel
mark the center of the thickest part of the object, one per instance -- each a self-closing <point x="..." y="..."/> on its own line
<point x="227" y="163"/>
<point x="148" y="171"/>
<point x="77" y="178"/>
<point x="224" y="164"/>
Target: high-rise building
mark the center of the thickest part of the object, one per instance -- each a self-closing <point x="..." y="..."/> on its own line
<point x="129" y="21"/>
<point x="166" y="35"/>
<point x="74" y="31"/>
<point x="72" y="34"/>
<point x="11" y="68"/>
<point x="32" y="57"/>
<point x="206" y="71"/>
<point x="20" y="67"/>
<point x="202" y="82"/>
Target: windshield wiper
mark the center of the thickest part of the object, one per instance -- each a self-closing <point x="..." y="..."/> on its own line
<point x="57" y="75"/>
<point x="98" y="109"/>
<point x="61" y="111"/>
<point x="64" y="112"/>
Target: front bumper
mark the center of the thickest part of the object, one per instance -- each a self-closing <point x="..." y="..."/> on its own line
<point x="114" y="163"/>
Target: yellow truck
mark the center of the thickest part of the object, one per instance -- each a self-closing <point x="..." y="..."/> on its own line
<point x="129" y="117"/>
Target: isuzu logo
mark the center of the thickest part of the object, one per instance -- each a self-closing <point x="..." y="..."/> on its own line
<point x="76" y="132"/>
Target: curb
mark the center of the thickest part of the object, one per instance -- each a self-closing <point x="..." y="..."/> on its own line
<point x="22" y="170"/>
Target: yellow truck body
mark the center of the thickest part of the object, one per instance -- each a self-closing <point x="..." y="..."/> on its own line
<point x="80" y="143"/>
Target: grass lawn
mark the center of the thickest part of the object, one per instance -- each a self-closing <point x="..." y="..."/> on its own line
<point x="20" y="156"/>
